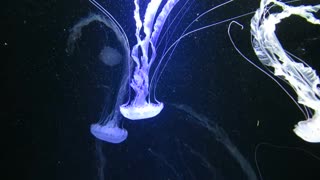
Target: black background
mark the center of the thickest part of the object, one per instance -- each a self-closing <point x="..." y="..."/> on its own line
<point x="50" y="99"/>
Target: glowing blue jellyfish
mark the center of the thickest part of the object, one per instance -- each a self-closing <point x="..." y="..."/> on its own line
<point x="109" y="132"/>
<point x="299" y="75"/>
<point x="107" y="128"/>
<point x="144" y="54"/>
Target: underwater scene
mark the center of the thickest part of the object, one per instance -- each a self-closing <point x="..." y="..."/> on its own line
<point x="161" y="89"/>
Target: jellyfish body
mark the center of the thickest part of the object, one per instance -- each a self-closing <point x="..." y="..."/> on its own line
<point x="108" y="128"/>
<point x="302" y="78"/>
<point x="144" y="54"/>
<point x="109" y="132"/>
<point x="141" y="111"/>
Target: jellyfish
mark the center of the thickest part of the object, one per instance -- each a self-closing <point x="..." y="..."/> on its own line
<point x="144" y="54"/>
<point x="298" y="74"/>
<point x="108" y="127"/>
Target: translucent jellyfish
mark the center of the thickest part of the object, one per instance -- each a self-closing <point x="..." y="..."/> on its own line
<point x="107" y="128"/>
<point x="298" y="74"/>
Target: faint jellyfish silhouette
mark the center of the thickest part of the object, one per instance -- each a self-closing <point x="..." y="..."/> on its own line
<point x="107" y="128"/>
<point x="110" y="56"/>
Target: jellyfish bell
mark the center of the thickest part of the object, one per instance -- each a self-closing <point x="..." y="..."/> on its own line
<point x="309" y="129"/>
<point x="144" y="111"/>
<point x="109" y="132"/>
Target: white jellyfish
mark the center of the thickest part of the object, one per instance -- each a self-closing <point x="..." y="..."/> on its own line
<point x="298" y="74"/>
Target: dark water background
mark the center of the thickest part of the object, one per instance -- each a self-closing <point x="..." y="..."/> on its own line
<point x="51" y="99"/>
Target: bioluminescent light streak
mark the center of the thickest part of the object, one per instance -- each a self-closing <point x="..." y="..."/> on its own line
<point x="221" y="136"/>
